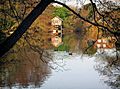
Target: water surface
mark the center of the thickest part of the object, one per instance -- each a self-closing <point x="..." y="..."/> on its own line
<point x="64" y="71"/>
<point x="76" y="73"/>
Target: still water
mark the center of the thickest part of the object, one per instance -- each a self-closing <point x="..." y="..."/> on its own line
<point x="64" y="71"/>
<point x="77" y="73"/>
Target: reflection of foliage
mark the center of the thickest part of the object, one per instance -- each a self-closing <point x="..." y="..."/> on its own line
<point x="69" y="43"/>
<point x="63" y="47"/>
<point x="24" y="70"/>
<point x="61" y="12"/>
<point x="92" y="50"/>
<point x="9" y="58"/>
<point x="109" y="68"/>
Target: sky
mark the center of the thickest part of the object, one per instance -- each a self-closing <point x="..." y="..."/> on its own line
<point x="73" y="2"/>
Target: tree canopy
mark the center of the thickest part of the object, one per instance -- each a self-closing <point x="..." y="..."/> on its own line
<point x="61" y="12"/>
<point x="105" y="17"/>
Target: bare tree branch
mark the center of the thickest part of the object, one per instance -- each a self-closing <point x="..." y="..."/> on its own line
<point x="26" y="23"/>
<point x="95" y="24"/>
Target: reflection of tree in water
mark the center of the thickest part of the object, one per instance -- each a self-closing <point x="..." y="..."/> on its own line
<point x="109" y="69"/>
<point x="30" y="71"/>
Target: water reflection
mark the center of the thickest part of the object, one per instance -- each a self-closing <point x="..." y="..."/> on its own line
<point x="78" y="73"/>
<point x="29" y="72"/>
<point x="109" y="69"/>
<point x="69" y="72"/>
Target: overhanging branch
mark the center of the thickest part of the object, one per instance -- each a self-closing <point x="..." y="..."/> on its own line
<point x="86" y="20"/>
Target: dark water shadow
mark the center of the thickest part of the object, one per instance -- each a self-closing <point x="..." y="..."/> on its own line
<point x="27" y="72"/>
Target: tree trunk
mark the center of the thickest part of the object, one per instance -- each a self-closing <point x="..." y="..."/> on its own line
<point x="22" y="28"/>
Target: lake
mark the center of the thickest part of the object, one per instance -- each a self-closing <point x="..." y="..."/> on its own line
<point x="63" y="71"/>
<point x="77" y="73"/>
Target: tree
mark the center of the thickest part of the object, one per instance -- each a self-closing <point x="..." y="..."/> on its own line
<point x="40" y="7"/>
<point x="61" y="12"/>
